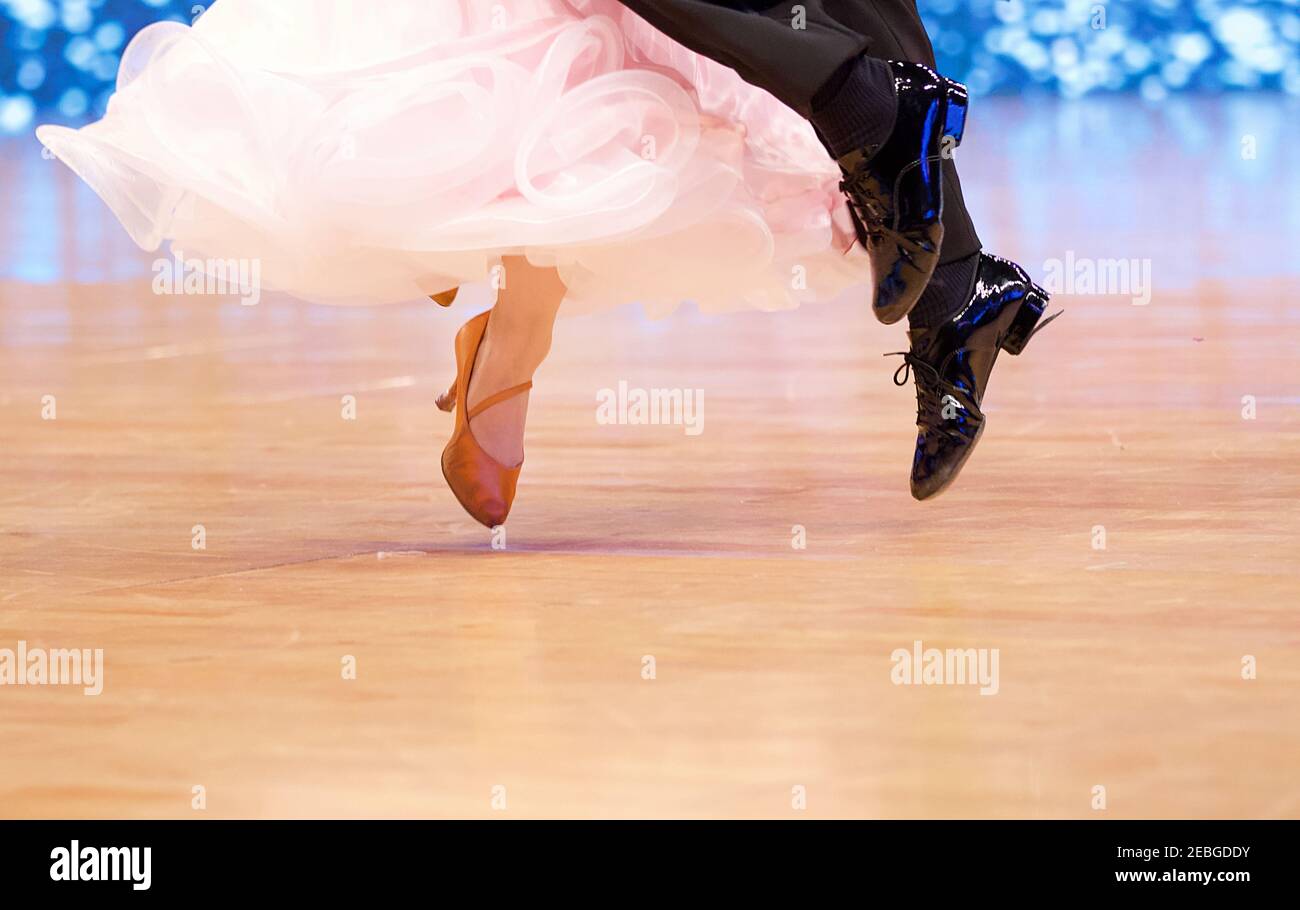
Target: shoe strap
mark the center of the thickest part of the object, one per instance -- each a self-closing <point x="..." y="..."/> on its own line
<point x="498" y="398"/>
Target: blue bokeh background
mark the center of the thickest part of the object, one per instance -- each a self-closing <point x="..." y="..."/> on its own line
<point x="60" y="57"/>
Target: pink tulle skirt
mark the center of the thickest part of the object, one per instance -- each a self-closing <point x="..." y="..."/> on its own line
<point x="377" y="152"/>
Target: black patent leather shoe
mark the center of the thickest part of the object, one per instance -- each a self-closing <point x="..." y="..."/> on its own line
<point x="951" y="364"/>
<point x="895" y="189"/>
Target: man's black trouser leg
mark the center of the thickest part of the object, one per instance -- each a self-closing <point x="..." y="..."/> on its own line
<point x="761" y="42"/>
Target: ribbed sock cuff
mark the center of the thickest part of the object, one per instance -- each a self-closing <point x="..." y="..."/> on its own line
<point x="861" y="112"/>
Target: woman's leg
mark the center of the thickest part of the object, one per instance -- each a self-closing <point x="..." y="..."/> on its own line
<point x="517" y="340"/>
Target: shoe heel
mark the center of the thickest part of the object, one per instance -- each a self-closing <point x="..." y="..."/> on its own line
<point x="1026" y="321"/>
<point x="447" y="400"/>
<point x="954" y="121"/>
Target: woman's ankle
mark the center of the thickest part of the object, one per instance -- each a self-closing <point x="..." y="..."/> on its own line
<point x="516" y="349"/>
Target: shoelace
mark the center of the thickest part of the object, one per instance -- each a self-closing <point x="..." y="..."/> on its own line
<point x="931" y="391"/>
<point x="929" y="387"/>
<point x="910" y="360"/>
<point x="870" y="212"/>
<point x="930" y="384"/>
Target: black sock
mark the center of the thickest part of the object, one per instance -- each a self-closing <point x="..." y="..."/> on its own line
<point x="856" y="107"/>
<point x="948" y="291"/>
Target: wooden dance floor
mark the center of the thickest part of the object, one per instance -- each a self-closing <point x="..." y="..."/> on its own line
<point x="651" y="641"/>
